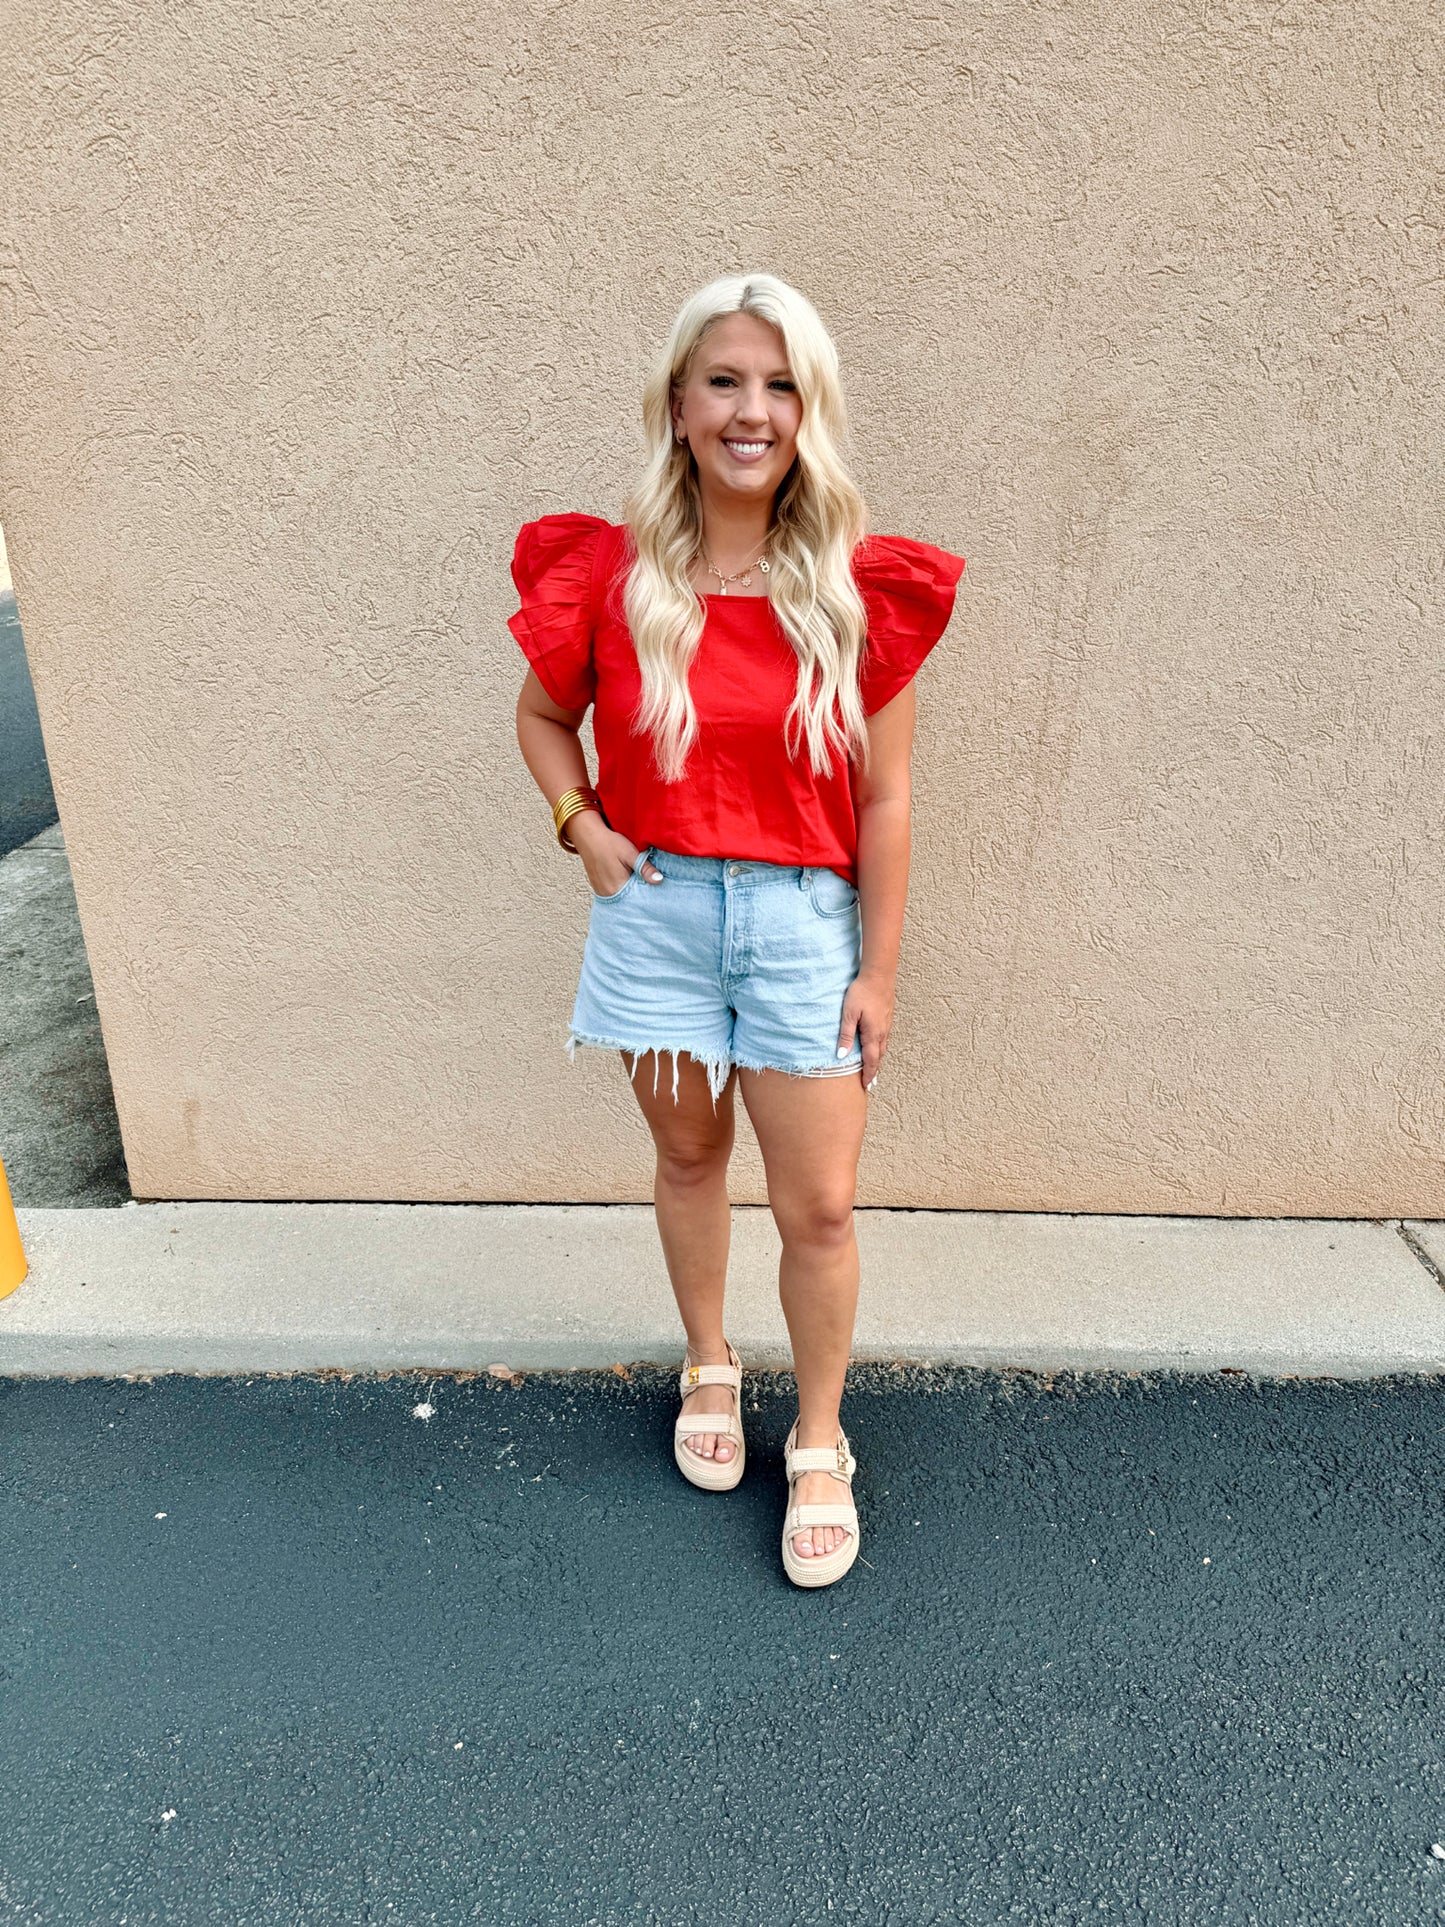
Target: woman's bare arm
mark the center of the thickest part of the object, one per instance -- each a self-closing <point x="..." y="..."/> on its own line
<point x="882" y="802"/>
<point x="547" y="737"/>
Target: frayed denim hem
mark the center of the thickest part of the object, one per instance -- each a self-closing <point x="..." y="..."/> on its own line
<point x="718" y="1067"/>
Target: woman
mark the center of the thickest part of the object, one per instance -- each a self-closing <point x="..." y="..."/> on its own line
<point x="749" y="656"/>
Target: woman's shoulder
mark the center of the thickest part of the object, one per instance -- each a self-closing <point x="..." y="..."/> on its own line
<point x="568" y="541"/>
<point x="899" y="568"/>
<point x="907" y="589"/>
<point x="557" y="566"/>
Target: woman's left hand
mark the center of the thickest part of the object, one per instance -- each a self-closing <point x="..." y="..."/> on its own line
<point x="868" y="1011"/>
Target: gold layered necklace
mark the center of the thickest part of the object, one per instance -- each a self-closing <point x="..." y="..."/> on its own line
<point x="743" y="577"/>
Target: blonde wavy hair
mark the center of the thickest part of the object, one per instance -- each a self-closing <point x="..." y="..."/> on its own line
<point x="818" y="521"/>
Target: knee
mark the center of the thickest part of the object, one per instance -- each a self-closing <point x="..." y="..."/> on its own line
<point x="823" y="1218"/>
<point x="693" y="1161"/>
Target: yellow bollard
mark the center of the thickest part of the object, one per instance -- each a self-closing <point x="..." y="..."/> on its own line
<point x="13" y="1266"/>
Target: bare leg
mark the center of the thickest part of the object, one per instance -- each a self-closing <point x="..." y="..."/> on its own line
<point x="810" y="1130"/>
<point x="694" y="1219"/>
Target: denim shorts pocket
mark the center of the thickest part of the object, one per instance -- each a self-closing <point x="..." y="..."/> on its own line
<point x="830" y="894"/>
<point x="633" y="876"/>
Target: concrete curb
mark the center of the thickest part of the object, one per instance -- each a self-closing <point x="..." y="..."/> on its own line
<point x="231" y="1287"/>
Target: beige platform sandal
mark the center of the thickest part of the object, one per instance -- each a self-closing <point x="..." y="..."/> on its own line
<point x="819" y="1570"/>
<point x="713" y="1475"/>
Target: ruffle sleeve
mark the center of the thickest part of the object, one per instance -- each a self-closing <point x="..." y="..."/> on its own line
<point x="552" y="568"/>
<point x="908" y="590"/>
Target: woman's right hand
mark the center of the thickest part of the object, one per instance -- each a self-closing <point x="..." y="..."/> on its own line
<point x="607" y="855"/>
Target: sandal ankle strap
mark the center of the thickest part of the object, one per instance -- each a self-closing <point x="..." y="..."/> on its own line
<point x="731" y="1374"/>
<point x="822" y="1458"/>
<point x="692" y="1376"/>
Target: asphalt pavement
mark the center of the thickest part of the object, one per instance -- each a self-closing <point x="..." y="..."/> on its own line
<point x="427" y="1649"/>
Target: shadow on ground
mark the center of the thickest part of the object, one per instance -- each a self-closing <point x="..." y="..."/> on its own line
<point x="430" y="1649"/>
<point x="59" y="1134"/>
<point x="27" y="801"/>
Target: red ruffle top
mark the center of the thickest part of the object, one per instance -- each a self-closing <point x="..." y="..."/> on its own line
<point x="741" y="794"/>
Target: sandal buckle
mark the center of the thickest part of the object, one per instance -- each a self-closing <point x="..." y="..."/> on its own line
<point x="842" y="1458"/>
<point x="692" y="1374"/>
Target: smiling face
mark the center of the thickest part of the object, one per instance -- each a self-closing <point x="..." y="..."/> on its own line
<point x="739" y="410"/>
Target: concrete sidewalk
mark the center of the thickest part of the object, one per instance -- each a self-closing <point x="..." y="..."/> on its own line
<point x="232" y="1287"/>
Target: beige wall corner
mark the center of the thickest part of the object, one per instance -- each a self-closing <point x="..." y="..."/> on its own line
<point x="304" y="315"/>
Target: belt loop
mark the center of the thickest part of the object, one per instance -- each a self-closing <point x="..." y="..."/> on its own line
<point x="803" y="877"/>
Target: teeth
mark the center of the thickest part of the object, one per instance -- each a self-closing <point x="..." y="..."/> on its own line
<point x="748" y="448"/>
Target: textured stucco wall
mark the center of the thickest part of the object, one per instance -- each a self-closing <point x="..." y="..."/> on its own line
<point x="1140" y="308"/>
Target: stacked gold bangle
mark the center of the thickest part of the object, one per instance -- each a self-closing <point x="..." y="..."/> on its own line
<point x="568" y="803"/>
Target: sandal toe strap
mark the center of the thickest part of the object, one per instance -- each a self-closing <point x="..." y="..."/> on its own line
<point x="690" y="1424"/>
<point x="800" y="1517"/>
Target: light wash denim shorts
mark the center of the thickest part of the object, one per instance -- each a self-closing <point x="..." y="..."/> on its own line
<point x="734" y="962"/>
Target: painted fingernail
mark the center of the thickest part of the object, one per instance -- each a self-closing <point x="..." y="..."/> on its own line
<point x="842" y="1050"/>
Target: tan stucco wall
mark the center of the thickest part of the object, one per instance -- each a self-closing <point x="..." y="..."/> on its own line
<point x="1140" y="310"/>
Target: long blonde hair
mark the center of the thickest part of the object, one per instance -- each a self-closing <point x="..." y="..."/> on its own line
<point x="818" y="521"/>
